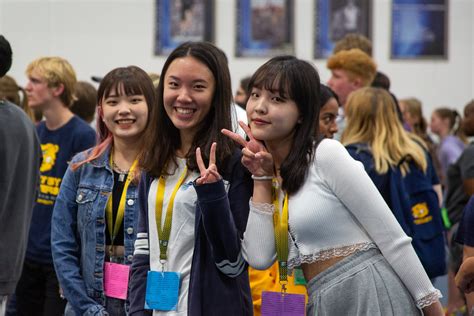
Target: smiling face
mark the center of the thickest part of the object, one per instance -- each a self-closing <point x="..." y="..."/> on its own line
<point x="124" y="115"/>
<point x="272" y="117"/>
<point x="327" y="118"/>
<point x="188" y="91"/>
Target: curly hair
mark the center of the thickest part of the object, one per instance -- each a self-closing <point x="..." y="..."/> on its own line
<point x="356" y="63"/>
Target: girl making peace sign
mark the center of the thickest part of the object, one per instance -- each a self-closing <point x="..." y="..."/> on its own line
<point x="330" y="218"/>
<point x="187" y="258"/>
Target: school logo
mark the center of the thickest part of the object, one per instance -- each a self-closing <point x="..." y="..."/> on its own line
<point x="421" y="213"/>
<point x="49" y="156"/>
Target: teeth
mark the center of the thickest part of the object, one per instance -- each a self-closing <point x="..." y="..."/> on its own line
<point x="125" y="121"/>
<point x="184" y="111"/>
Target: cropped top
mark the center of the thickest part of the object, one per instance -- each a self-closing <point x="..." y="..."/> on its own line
<point x="336" y="212"/>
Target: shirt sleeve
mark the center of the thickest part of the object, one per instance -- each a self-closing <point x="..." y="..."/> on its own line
<point x="467" y="163"/>
<point x="351" y="184"/>
<point x="258" y="246"/>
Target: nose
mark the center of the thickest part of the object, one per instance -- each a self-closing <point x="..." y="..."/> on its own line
<point x="124" y="107"/>
<point x="184" y="96"/>
<point x="330" y="82"/>
<point x="333" y="127"/>
<point x="28" y="86"/>
<point x="260" y="106"/>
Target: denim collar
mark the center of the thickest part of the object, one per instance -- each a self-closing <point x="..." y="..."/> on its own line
<point x="103" y="160"/>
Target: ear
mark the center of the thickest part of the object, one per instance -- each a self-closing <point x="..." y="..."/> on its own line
<point x="357" y="82"/>
<point x="100" y="112"/>
<point x="58" y="90"/>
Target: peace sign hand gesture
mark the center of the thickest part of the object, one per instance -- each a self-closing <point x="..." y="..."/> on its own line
<point x="209" y="174"/>
<point x="255" y="157"/>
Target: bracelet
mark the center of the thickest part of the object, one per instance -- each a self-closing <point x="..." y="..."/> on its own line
<point x="262" y="178"/>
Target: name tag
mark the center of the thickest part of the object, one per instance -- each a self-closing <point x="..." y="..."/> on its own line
<point x="275" y="303"/>
<point x="162" y="291"/>
<point x="116" y="280"/>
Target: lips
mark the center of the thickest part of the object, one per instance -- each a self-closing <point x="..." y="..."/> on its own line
<point x="259" y="121"/>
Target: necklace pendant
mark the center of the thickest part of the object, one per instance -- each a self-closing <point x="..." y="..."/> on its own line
<point x="121" y="177"/>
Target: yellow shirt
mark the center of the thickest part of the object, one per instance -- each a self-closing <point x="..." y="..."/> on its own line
<point x="269" y="280"/>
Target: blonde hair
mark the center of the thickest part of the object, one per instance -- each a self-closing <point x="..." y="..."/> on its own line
<point x="415" y="108"/>
<point x="372" y="119"/>
<point x="10" y="91"/>
<point x="356" y="63"/>
<point x="56" y="71"/>
<point x="353" y="40"/>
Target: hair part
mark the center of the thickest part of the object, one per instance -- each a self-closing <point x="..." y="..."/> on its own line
<point x="326" y="94"/>
<point x="162" y="138"/>
<point x="299" y="81"/>
<point x="86" y="99"/>
<point x="56" y="71"/>
<point x="372" y="119"/>
<point x="10" y="90"/>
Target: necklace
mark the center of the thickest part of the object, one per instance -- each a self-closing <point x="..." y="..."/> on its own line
<point x="122" y="173"/>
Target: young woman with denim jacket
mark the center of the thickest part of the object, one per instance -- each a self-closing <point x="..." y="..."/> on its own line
<point x="95" y="216"/>
<point x="200" y="249"/>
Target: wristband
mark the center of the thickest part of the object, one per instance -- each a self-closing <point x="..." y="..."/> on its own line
<point x="262" y="178"/>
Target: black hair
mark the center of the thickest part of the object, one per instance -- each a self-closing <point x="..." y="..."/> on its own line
<point x="5" y="56"/>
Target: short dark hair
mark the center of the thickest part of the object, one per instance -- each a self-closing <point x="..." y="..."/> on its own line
<point x="5" y="56"/>
<point x="85" y="103"/>
<point x="162" y="138"/>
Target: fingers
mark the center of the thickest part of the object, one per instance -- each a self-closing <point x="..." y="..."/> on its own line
<point x="200" y="162"/>
<point x="235" y="137"/>
<point x="212" y="155"/>
<point x="247" y="130"/>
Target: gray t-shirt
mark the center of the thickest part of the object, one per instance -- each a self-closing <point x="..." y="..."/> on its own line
<point x="461" y="170"/>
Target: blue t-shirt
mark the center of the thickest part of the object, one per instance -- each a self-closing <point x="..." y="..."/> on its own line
<point x="58" y="147"/>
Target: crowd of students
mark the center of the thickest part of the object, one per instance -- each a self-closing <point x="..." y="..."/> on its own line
<point x="172" y="207"/>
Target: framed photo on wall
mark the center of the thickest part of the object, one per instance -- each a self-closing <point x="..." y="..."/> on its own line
<point x="419" y="29"/>
<point x="264" y="28"/>
<point x="178" y="21"/>
<point x="336" y="18"/>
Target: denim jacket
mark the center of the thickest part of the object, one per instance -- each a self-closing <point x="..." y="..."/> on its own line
<point x="79" y="228"/>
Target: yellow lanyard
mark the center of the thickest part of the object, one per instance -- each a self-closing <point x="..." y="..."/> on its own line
<point x="114" y="229"/>
<point x="280" y="224"/>
<point x="165" y="231"/>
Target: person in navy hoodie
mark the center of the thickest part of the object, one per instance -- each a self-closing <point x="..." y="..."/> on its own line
<point x="191" y="218"/>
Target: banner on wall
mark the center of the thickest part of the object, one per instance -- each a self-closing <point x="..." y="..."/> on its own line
<point x="178" y="21"/>
<point x="336" y="18"/>
<point x="419" y="29"/>
<point x="264" y="28"/>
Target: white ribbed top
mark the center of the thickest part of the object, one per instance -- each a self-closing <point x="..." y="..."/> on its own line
<point x="337" y="211"/>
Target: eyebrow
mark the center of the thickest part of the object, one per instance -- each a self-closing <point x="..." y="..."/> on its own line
<point x="194" y="81"/>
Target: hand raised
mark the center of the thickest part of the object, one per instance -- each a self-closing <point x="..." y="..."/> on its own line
<point x="255" y="157"/>
<point x="209" y="174"/>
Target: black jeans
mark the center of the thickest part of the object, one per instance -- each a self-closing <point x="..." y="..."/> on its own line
<point x="37" y="292"/>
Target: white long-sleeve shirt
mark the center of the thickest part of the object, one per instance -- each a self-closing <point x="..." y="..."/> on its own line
<point x="336" y="212"/>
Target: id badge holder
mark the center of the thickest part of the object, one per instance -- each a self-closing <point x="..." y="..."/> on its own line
<point x="116" y="278"/>
<point x="162" y="290"/>
<point x="282" y="303"/>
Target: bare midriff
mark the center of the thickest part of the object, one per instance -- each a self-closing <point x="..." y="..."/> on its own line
<point x="310" y="270"/>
